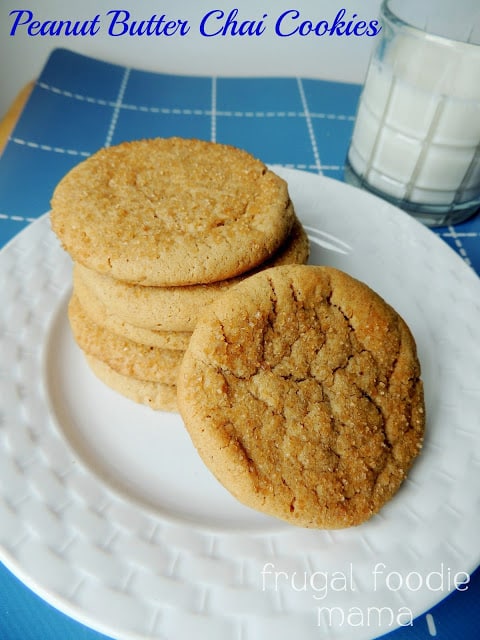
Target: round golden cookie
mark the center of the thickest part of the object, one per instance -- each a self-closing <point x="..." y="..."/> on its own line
<point x="158" y="396"/>
<point x="124" y="356"/>
<point x="177" y="308"/>
<point x="301" y="390"/>
<point x="98" y="312"/>
<point x="171" y="211"/>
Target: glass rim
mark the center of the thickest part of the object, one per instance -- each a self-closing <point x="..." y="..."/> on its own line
<point x="387" y="13"/>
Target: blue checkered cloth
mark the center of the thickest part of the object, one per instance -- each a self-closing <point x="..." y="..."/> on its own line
<point x="80" y="104"/>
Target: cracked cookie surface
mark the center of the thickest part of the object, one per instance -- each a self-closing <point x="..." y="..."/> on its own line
<point x="171" y="211"/>
<point x="301" y="391"/>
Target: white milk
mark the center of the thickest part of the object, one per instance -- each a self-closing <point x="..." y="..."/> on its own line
<point x="417" y="132"/>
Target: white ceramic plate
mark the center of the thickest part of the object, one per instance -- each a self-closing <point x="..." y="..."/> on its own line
<point x="107" y="512"/>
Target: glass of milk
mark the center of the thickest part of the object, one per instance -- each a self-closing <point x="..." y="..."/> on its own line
<point x="416" y="140"/>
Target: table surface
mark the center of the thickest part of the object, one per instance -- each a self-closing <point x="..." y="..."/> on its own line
<point x="79" y="104"/>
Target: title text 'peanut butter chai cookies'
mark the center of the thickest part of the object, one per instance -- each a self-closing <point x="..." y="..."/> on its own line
<point x="171" y="211"/>
<point x="301" y="390"/>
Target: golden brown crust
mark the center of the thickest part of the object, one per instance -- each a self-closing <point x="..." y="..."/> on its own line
<point x="100" y="314"/>
<point x="301" y="391"/>
<point x="177" y="308"/>
<point x="127" y="358"/>
<point x="171" y="211"/>
<point x="157" y="396"/>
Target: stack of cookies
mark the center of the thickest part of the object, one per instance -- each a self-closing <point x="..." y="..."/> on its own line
<point x="299" y="386"/>
<point x="157" y="230"/>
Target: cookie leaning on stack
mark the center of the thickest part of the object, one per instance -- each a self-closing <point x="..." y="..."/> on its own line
<point x="158" y="228"/>
<point x="301" y="390"/>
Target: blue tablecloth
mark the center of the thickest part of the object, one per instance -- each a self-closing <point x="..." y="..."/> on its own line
<point x="80" y="104"/>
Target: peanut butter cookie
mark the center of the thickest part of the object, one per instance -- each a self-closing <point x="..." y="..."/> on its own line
<point x="301" y="390"/>
<point x="177" y="308"/>
<point x="171" y="211"/>
<point x="157" y="396"/>
<point x="124" y="356"/>
<point x="100" y="314"/>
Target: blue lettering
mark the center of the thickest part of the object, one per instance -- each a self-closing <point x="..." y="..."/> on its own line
<point x="360" y="28"/>
<point x="338" y="24"/>
<point x="121" y="25"/>
<point x="120" y="16"/>
<point x="374" y="28"/>
<point x="279" y="24"/>
<point x="290" y="23"/>
<point x="321" y="28"/>
<point x="35" y="28"/>
<point x="54" y="27"/>
<point x="18" y="20"/>
<point x="217" y="14"/>
<point x="231" y="26"/>
<point x="305" y="28"/>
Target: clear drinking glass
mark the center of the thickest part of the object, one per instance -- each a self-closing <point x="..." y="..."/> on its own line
<point x="416" y="140"/>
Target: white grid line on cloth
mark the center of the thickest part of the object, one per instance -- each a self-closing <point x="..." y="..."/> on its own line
<point x="459" y="234"/>
<point x="458" y="244"/>
<point x="117" y="105"/>
<point x="47" y="147"/>
<point x="432" y="629"/>
<point x="74" y="152"/>
<point x="312" y="167"/>
<point x="197" y="112"/>
<point x="308" y="121"/>
<point x="12" y="218"/>
<point x="213" y="122"/>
